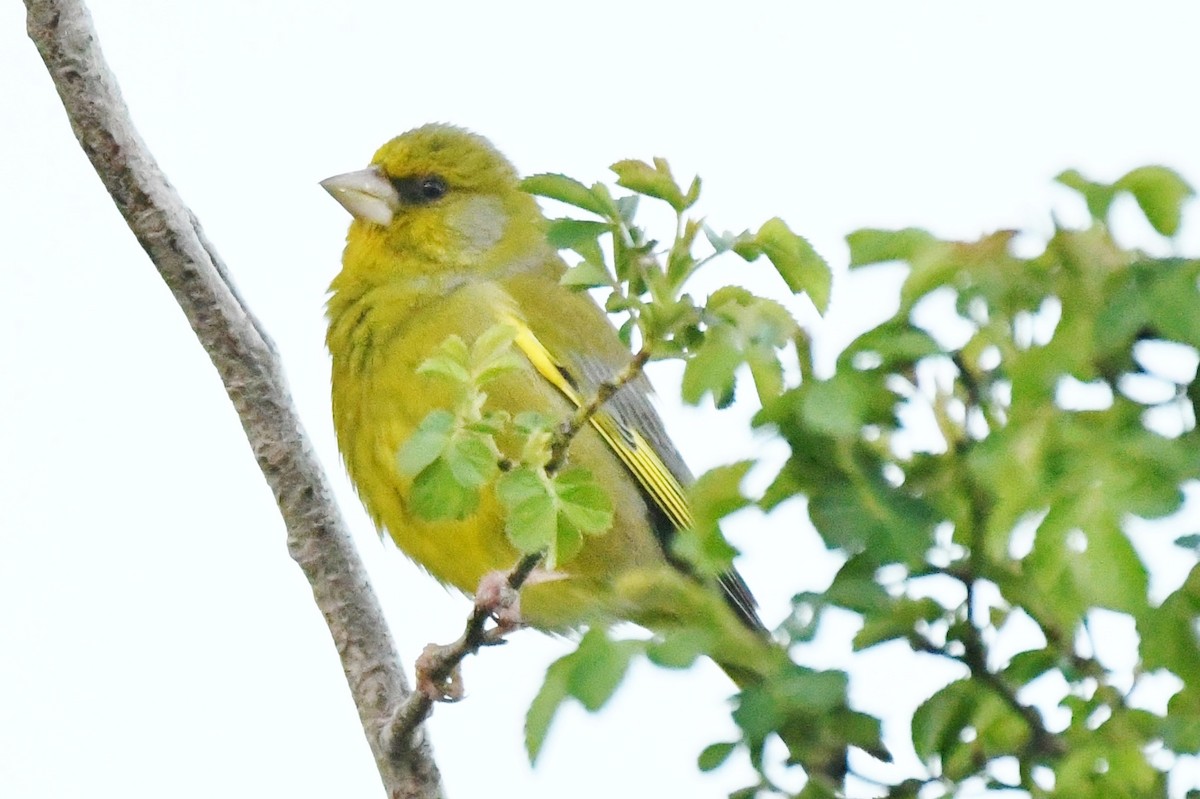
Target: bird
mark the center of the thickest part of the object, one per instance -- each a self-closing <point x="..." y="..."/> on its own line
<point x="443" y="241"/>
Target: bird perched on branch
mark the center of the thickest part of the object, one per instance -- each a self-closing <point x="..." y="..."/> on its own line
<point x="444" y="242"/>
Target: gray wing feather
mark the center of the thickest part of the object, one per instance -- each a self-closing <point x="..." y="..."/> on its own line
<point x="632" y="408"/>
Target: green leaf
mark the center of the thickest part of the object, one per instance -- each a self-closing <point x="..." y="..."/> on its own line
<point x="1181" y="727"/>
<point x="568" y="234"/>
<point x="714" y="755"/>
<point x="652" y="181"/>
<point x="568" y="190"/>
<point x="436" y="494"/>
<point x="872" y="517"/>
<point x="529" y="422"/>
<point x="586" y="275"/>
<point x="627" y="207"/>
<point x="902" y="617"/>
<point x="712" y="369"/>
<point x="582" y="501"/>
<point x="720" y="242"/>
<point x="714" y="496"/>
<point x="598" y="666"/>
<point x="472" y="460"/>
<point x="492" y="354"/>
<point x="1169" y="639"/>
<point x="1189" y="541"/>
<point x="427" y="443"/>
<point x="449" y="361"/>
<point x="1027" y="666"/>
<point x="1160" y="193"/>
<point x="679" y="649"/>
<point x="896" y="344"/>
<point x="872" y="246"/>
<point x="531" y="522"/>
<point x="545" y="705"/>
<point x="938" y="725"/>
<point x="1098" y="196"/>
<point x="796" y="261"/>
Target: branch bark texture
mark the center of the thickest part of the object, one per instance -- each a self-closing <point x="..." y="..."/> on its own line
<point x="246" y="360"/>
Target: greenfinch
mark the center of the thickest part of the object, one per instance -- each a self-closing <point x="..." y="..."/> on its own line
<point x="443" y="242"/>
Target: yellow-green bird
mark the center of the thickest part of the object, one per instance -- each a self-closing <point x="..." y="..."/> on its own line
<point x="444" y="242"/>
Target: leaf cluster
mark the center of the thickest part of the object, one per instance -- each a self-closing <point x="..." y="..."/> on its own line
<point x="1016" y="513"/>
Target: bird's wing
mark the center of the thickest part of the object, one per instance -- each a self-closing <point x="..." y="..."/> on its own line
<point x="632" y="429"/>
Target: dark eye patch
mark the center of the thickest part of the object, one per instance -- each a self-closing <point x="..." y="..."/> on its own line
<point x="420" y="190"/>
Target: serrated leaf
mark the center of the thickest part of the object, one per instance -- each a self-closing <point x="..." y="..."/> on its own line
<point x="766" y="371"/>
<point x="427" y="442"/>
<point x="712" y="369"/>
<point x="583" y="501"/>
<point x="471" y="460"/>
<point x="493" y="355"/>
<point x="568" y="234"/>
<point x="653" y="181"/>
<point x="745" y="245"/>
<point x="586" y="275"/>
<point x="566" y="190"/>
<point x="531" y="519"/>
<point x="800" y="266"/>
<point x="447" y="363"/>
<point x="436" y="494"/>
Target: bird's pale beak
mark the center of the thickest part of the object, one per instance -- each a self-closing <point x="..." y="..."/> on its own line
<point x="366" y="194"/>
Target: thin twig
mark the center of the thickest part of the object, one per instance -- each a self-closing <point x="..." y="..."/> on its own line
<point x="604" y="392"/>
<point x="248" y="366"/>
<point x="444" y="661"/>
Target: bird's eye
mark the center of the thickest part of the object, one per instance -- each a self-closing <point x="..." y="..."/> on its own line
<point x="432" y="188"/>
<point x="420" y="190"/>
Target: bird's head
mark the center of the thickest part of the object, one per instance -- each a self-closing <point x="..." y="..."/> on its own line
<point x="438" y="196"/>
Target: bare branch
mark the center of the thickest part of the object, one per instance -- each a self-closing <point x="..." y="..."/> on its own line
<point x="246" y="360"/>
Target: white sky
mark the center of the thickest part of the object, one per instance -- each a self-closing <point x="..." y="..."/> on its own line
<point x="155" y="638"/>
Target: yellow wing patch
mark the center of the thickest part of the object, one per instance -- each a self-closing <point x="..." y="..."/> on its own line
<point x="629" y="446"/>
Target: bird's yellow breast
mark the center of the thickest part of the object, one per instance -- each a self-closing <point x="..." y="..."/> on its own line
<point x="379" y="400"/>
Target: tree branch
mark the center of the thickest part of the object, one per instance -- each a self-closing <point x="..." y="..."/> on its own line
<point x="248" y="365"/>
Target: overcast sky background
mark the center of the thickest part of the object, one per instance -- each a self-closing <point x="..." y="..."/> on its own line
<point x="155" y="638"/>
